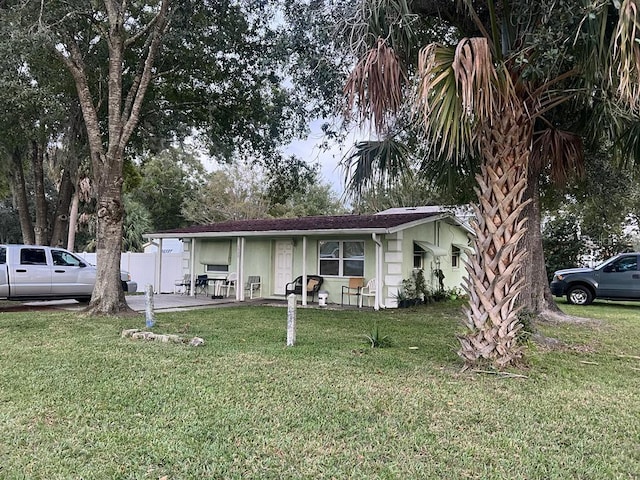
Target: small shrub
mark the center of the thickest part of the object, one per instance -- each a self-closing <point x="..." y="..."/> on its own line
<point x="376" y="340"/>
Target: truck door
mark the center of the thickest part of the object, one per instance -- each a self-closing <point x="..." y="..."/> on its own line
<point x="70" y="275"/>
<point x="32" y="276"/>
<point x="621" y="278"/>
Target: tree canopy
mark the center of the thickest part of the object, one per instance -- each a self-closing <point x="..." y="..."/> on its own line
<point x="146" y="75"/>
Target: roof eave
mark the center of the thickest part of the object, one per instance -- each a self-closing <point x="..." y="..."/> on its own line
<point x="269" y="233"/>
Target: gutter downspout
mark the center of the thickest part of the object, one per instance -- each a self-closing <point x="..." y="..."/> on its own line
<point x="378" y="304"/>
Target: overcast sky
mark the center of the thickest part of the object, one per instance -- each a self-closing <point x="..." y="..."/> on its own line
<point x="311" y="150"/>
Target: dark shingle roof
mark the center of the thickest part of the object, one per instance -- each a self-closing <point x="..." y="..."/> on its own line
<point x="323" y="223"/>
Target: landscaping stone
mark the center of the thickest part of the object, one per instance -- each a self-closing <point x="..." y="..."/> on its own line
<point x="136" y="334"/>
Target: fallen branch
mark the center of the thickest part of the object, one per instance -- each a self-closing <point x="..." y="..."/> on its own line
<point x="589" y="363"/>
<point x="501" y="374"/>
<point x="635" y="357"/>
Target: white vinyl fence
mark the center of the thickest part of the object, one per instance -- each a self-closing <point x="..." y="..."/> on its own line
<point x="142" y="267"/>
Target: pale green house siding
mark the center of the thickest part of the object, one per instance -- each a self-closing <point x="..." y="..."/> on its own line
<point x="397" y="258"/>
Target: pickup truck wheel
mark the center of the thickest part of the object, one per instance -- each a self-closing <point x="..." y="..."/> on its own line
<point x="579" y="295"/>
<point x="125" y="287"/>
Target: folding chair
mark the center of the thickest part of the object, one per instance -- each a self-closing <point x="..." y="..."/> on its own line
<point x="353" y="289"/>
<point x="202" y="284"/>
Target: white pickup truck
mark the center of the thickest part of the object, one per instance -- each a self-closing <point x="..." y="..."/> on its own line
<point x="32" y="272"/>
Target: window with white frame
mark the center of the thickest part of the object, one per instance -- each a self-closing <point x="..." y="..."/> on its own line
<point x="418" y="257"/>
<point x="455" y="256"/>
<point x="341" y="258"/>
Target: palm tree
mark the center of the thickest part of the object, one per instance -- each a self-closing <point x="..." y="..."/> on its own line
<point x="491" y="91"/>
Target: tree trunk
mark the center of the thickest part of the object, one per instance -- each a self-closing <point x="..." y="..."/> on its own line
<point x="108" y="297"/>
<point x="492" y="283"/>
<point x="61" y="216"/>
<point x="73" y="223"/>
<point x="41" y="228"/>
<point x="19" y="192"/>
<point x="536" y="295"/>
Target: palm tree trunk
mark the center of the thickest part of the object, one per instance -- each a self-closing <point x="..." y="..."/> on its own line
<point x="493" y="283"/>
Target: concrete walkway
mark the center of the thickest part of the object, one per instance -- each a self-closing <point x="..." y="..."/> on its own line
<point x="165" y="302"/>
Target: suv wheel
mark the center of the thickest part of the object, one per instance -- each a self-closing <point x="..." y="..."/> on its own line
<point x="579" y="295"/>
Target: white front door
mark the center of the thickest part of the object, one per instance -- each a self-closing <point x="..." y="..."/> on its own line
<point x="284" y="266"/>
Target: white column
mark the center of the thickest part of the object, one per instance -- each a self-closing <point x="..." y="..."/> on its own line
<point x="192" y="268"/>
<point x="240" y="269"/>
<point x="158" y="279"/>
<point x="304" y="271"/>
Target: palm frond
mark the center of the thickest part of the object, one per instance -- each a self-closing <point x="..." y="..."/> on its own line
<point x="626" y="148"/>
<point x="388" y="19"/>
<point x="626" y="53"/>
<point x="375" y="85"/>
<point x="474" y="72"/>
<point x="374" y="163"/>
<point x="455" y="93"/>
<point x="562" y="151"/>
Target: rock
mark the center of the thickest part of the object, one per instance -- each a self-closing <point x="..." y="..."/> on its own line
<point x="143" y="336"/>
<point x="136" y="334"/>
<point x="129" y="332"/>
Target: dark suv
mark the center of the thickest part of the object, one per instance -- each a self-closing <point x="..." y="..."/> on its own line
<point x="616" y="279"/>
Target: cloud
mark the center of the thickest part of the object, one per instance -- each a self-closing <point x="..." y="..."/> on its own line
<point x="327" y="153"/>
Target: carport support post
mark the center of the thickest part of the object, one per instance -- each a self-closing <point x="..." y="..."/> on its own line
<point x="291" y="320"/>
<point x="148" y="301"/>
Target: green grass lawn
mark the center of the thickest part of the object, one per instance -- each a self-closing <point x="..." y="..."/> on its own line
<point x="78" y="401"/>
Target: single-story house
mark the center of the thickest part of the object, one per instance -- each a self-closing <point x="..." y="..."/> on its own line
<point x="387" y="247"/>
